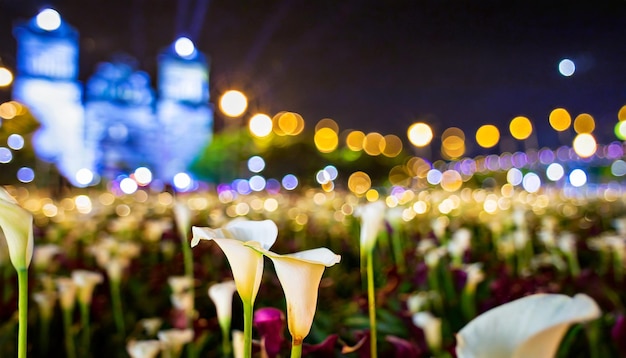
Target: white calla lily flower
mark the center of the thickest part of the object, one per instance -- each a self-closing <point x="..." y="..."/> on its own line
<point x="222" y="296"/>
<point x="17" y="226"/>
<point x="531" y="326"/>
<point x="246" y="263"/>
<point x="372" y="217"/>
<point x="143" y="349"/>
<point x="300" y="274"/>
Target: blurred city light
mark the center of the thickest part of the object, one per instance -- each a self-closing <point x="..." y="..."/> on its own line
<point x="182" y="181"/>
<point x="256" y="164"/>
<point x="48" y="19"/>
<point x="6" y="77"/>
<point x="585" y="145"/>
<point x="392" y="145"/>
<point x="521" y="128"/>
<point x="290" y="182"/>
<point x="620" y="130"/>
<point x="584" y="123"/>
<point x="128" y="186"/>
<point x="15" y="141"/>
<point x="354" y="140"/>
<point x="621" y="114"/>
<point x="359" y="183"/>
<point x="184" y="47"/>
<point x="84" y="176"/>
<point x="578" y="178"/>
<point x="555" y="171"/>
<point x="420" y="134"/>
<point x="5" y="155"/>
<point x="372" y="143"/>
<point x="260" y="125"/>
<point x="531" y="182"/>
<point x="326" y="140"/>
<point x="25" y="174"/>
<point x="567" y="67"/>
<point x="233" y="103"/>
<point x="487" y="136"/>
<point x="560" y="119"/>
<point x="143" y="176"/>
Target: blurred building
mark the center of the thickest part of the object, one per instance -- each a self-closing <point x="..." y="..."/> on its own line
<point x="119" y="123"/>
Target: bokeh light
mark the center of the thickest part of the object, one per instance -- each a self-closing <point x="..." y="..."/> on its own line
<point x="555" y="171"/>
<point x="15" y="141"/>
<point x="392" y="145"/>
<point x="420" y="134"/>
<point x="233" y="103"/>
<point x="327" y="123"/>
<point x="354" y="140"/>
<point x="578" y="178"/>
<point x="359" y="183"/>
<point x="256" y="164"/>
<point x="531" y="182"/>
<point x="288" y="123"/>
<point x="620" y="130"/>
<point x="585" y="145"/>
<point x="514" y="176"/>
<point x="257" y="183"/>
<point x="6" y="77"/>
<point x="567" y="67"/>
<point x="143" y="176"/>
<point x="621" y="114"/>
<point x="184" y="47"/>
<point x="8" y="110"/>
<point x="584" y="123"/>
<point x="451" y="180"/>
<point x="487" y="136"/>
<point x="452" y="143"/>
<point x="128" y="186"/>
<point x="434" y="176"/>
<point x="372" y="143"/>
<point x="48" y="19"/>
<point x="260" y="125"/>
<point x="618" y="168"/>
<point x="290" y="182"/>
<point x="6" y="156"/>
<point x="326" y="140"/>
<point x="520" y="127"/>
<point x="25" y="174"/>
<point x="560" y="119"/>
<point x="182" y="181"/>
<point x="84" y="176"/>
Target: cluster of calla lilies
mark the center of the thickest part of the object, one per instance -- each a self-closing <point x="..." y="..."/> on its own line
<point x="531" y="326"/>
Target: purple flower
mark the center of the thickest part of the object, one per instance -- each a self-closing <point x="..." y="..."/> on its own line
<point x="618" y="334"/>
<point x="270" y="323"/>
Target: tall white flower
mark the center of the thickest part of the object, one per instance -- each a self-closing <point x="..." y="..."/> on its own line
<point x="245" y="263"/>
<point x="532" y="326"/>
<point x="431" y="326"/>
<point x="85" y="282"/>
<point x="143" y="349"/>
<point x="222" y="296"/>
<point x="372" y="217"/>
<point x="17" y="226"/>
<point x="173" y="340"/>
<point x="300" y="274"/>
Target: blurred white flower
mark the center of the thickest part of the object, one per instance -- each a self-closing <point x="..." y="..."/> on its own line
<point x="532" y="326"/>
<point x="222" y="296"/>
<point x="143" y="349"/>
<point x="372" y="217"/>
<point x="43" y="254"/>
<point x="431" y="326"/>
<point x="173" y="340"/>
<point x="85" y="282"/>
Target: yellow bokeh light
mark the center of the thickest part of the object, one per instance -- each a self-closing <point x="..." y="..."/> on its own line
<point x="418" y="167"/>
<point x="8" y="110"/>
<point x="233" y="103"/>
<point x="260" y="125"/>
<point x="621" y="115"/>
<point x="354" y="140"/>
<point x="420" y="134"/>
<point x="359" y="183"/>
<point x="453" y="147"/>
<point x="451" y="180"/>
<point x="520" y="128"/>
<point x="398" y="175"/>
<point x="487" y="136"/>
<point x="453" y="132"/>
<point x="584" y="123"/>
<point x="327" y="123"/>
<point x="326" y="140"/>
<point x="372" y="195"/>
<point x="372" y="143"/>
<point x="585" y="145"/>
<point x="393" y="146"/>
<point x="560" y="119"/>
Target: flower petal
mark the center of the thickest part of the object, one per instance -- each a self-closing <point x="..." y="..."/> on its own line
<point x="265" y="232"/>
<point x="530" y="326"/>
<point x="372" y="217"/>
<point x="246" y="265"/>
<point x="17" y="226"/>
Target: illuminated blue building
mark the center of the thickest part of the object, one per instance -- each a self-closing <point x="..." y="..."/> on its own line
<point x="122" y="124"/>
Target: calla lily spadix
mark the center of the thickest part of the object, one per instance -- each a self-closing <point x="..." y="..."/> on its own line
<point x="300" y="274"/>
<point x="246" y="264"/>
<point x="531" y="326"/>
<point x="17" y="226"/>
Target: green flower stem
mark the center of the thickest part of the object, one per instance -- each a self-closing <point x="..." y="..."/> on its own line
<point x="116" y="302"/>
<point x="67" y="330"/>
<point x="188" y="262"/>
<point x="371" y="303"/>
<point x="22" y="286"/>
<point x="86" y="329"/>
<point x="226" y="346"/>
<point x="398" y="251"/>
<point x="247" y="329"/>
<point x="44" y="332"/>
<point x="468" y="305"/>
<point x="296" y="349"/>
<point x="573" y="263"/>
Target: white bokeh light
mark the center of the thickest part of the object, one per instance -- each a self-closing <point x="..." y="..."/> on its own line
<point x="128" y="186"/>
<point x="184" y="47"/>
<point x="434" y="176"/>
<point x="555" y="171"/>
<point x="256" y="164"/>
<point x="578" y="178"/>
<point x="48" y="20"/>
<point x="182" y="181"/>
<point x="84" y="176"/>
<point x="257" y="183"/>
<point x="531" y="182"/>
<point x="567" y="67"/>
<point x="514" y="176"/>
<point x="15" y="141"/>
<point x="143" y="176"/>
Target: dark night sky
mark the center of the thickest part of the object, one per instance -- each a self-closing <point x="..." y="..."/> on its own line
<point x="376" y="65"/>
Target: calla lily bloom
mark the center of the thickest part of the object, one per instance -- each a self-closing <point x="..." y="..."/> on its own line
<point x="143" y="349"/>
<point x="222" y="296"/>
<point x="372" y="218"/>
<point x="85" y="282"/>
<point x="246" y="264"/>
<point x="532" y="326"/>
<point x="300" y="274"/>
<point x="17" y="226"/>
